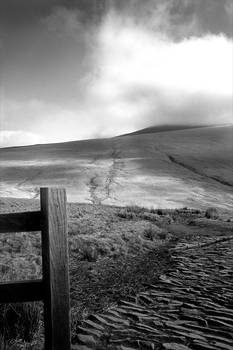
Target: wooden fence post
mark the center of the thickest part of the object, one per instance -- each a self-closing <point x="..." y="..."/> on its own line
<point x="55" y="269"/>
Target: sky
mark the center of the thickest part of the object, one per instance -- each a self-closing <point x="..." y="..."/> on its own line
<point x="79" y="69"/>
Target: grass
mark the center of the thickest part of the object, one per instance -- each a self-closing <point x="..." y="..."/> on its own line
<point x="105" y="247"/>
<point x="113" y="252"/>
<point x="20" y="323"/>
<point x="21" y="326"/>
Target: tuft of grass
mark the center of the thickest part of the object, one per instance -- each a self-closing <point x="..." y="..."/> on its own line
<point x="162" y="235"/>
<point x="89" y="252"/>
<point x="152" y="232"/>
<point x="135" y="212"/>
<point x="147" y="215"/>
<point x="212" y="213"/>
<point x="126" y="214"/>
<point x="135" y="209"/>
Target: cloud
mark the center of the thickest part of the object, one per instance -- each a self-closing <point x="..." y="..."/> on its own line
<point x="18" y="137"/>
<point x="228" y="6"/>
<point x="131" y="56"/>
<point x="146" y="78"/>
<point x="64" y="22"/>
<point x="138" y="66"/>
<point x="53" y="123"/>
<point x="179" y="19"/>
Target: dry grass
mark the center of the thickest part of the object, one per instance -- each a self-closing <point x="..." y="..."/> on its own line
<point x="113" y="253"/>
<point x="105" y="247"/>
<point x="20" y="323"/>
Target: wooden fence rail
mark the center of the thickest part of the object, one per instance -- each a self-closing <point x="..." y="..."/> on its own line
<point x="53" y="289"/>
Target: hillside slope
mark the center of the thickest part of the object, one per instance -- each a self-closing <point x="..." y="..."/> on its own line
<point x="164" y="128"/>
<point x="190" y="167"/>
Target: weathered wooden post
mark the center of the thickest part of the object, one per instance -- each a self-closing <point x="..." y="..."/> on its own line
<point x="53" y="289"/>
<point x="55" y="269"/>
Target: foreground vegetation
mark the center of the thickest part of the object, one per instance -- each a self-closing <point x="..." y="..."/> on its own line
<point x="114" y="253"/>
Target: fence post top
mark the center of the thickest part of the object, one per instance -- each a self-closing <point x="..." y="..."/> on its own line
<point x="55" y="189"/>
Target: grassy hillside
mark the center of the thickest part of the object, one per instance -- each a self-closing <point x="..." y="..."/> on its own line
<point x="189" y="167"/>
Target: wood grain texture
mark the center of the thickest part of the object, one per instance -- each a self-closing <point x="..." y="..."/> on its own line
<point x="55" y="269"/>
<point x="15" y="292"/>
<point x="20" y="222"/>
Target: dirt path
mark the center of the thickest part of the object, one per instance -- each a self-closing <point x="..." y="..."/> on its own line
<point x="115" y="167"/>
<point x="190" y="308"/>
<point x="100" y="186"/>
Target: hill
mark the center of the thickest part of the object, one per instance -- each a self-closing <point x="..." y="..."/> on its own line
<point x="164" y="128"/>
<point x="174" y="168"/>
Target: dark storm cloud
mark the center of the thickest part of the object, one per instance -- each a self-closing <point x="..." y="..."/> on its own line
<point x="25" y="12"/>
<point x="45" y="45"/>
<point x="197" y="16"/>
<point x="181" y="18"/>
<point x="209" y="16"/>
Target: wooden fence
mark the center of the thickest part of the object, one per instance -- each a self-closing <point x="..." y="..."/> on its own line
<point x="53" y="288"/>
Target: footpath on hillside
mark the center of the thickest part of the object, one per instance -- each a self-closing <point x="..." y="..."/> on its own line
<point x="190" y="307"/>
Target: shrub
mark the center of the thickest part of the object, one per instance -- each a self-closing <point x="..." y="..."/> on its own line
<point x="211" y="213"/>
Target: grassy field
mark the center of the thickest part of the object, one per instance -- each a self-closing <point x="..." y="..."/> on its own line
<point x="114" y="253"/>
<point x="190" y="167"/>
